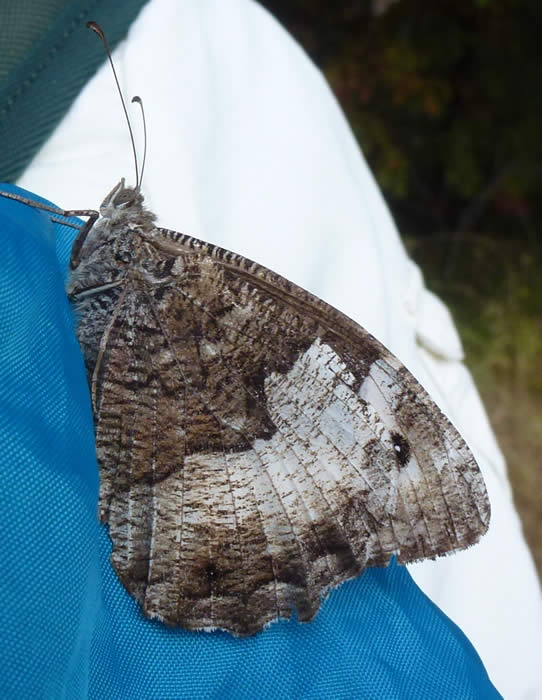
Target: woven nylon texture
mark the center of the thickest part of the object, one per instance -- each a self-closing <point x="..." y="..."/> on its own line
<point x="69" y="630"/>
<point x="45" y="76"/>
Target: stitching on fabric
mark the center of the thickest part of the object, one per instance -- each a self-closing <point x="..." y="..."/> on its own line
<point x="11" y="101"/>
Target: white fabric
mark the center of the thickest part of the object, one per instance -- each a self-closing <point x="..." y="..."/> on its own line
<point x="248" y="149"/>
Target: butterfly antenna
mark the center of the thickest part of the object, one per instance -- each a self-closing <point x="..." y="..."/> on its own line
<point x="139" y="101"/>
<point x="96" y="28"/>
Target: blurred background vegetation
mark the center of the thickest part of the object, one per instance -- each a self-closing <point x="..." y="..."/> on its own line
<point x="446" y="102"/>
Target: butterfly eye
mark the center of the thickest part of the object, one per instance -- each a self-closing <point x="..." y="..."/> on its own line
<point x="401" y="448"/>
<point x="125" y="198"/>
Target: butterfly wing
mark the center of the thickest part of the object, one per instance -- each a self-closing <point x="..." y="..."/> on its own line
<point x="256" y="446"/>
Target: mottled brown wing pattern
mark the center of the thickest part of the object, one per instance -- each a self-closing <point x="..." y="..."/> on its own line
<point x="256" y="446"/>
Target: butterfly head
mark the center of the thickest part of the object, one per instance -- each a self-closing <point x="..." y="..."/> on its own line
<point x="112" y="244"/>
<point x="124" y="206"/>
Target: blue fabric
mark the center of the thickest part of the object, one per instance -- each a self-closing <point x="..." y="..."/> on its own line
<point x="69" y="630"/>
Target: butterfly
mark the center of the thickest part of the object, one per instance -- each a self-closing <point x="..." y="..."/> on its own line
<point x="256" y="446"/>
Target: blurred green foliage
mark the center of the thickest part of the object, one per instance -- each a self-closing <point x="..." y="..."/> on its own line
<point x="445" y="101"/>
<point x="495" y="295"/>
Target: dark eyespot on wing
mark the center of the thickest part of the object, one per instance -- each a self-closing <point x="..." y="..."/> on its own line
<point x="402" y="448"/>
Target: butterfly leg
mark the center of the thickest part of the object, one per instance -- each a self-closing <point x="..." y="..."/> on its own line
<point x="83" y="230"/>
